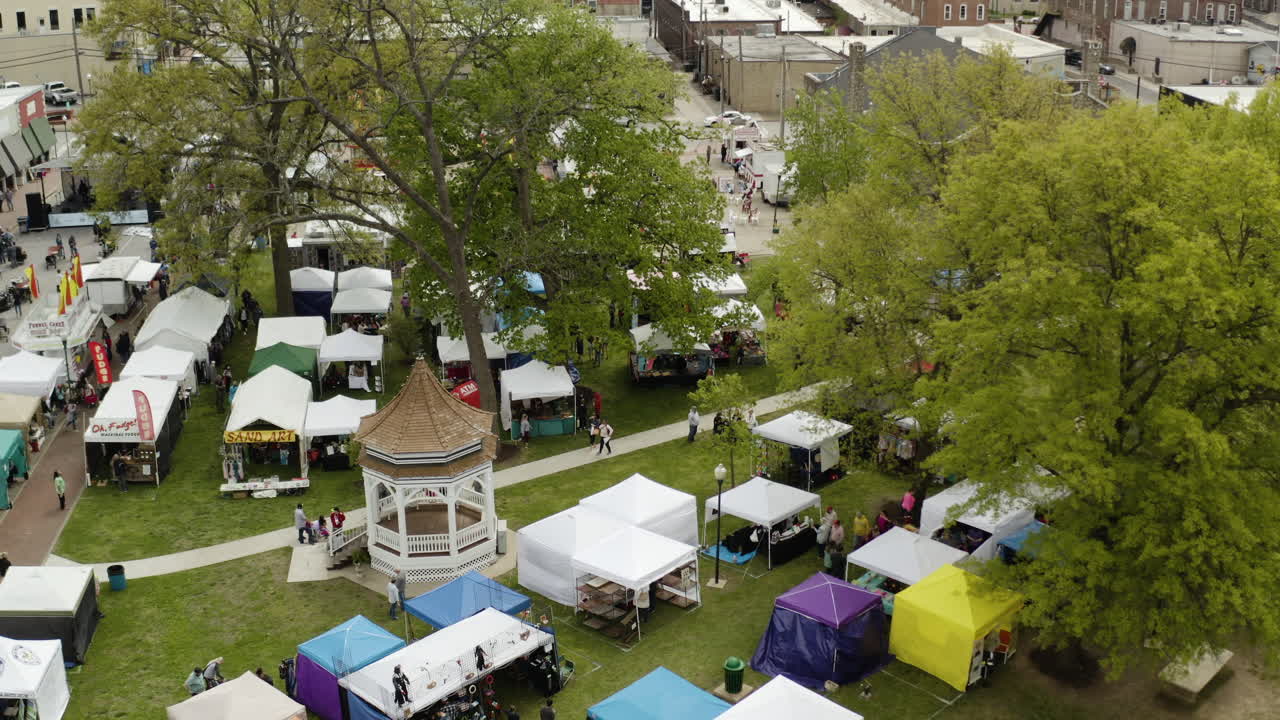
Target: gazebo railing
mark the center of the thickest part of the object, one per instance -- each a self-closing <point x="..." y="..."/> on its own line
<point x="438" y="543"/>
<point x="339" y="539"/>
<point x="473" y="534"/>
<point x="471" y="497"/>
<point x="386" y="536"/>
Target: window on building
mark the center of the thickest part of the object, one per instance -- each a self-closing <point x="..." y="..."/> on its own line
<point x="1208" y="13"/>
<point x="89" y="14"/>
<point x="1164" y="9"/>
<point x="77" y="16"/>
<point x="981" y="10"/>
<point x="1231" y="13"/>
<point x="22" y="20"/>
<point x="53" y="19"/>
<point x="946" y="12"/>
<point x="964" y="12"/>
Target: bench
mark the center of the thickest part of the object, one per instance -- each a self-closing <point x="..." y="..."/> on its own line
<point x="1185" y="681"/>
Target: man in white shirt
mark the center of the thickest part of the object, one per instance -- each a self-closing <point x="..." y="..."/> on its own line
<point x="393" y="596"/>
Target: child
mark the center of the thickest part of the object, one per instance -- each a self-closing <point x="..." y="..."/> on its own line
<point x="323" y="529"/>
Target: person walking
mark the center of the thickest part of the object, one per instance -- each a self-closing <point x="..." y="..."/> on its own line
<point x="404" y="304"/>
<point x="219" y="392"/>
<point x="8" y="198"/>
<point x="71" y="415"/>
<point x="213" y="673"/>
<point x="120" y="470"/>
<point x="693" y="423"/>
<point x="17" y="302"/>
<point x="547" y="712"/>
<point x="724" y="152"/>
<point x="71" y="243"/>
<point x="606" y="434"/>
<point x="908" y="504"/>
<point x="393" y="597"/>
<point x="60" y="487"/>
<point x="708" y="153"/>
<point x="401" y="581"/>
<point x="57" y="240"/>
<point x="195" y="682"/>
<point x="300" y="522"/>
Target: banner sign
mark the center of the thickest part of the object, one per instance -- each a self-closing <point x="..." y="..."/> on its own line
<point x="259" y="436"/>
<point x="126" y="430"/>
<point x="468" y="392"/>
<point x="101" y="365"/>
<point x="146" y="428"/>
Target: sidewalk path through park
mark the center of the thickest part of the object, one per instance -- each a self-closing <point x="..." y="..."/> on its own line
<point x="244" y="547"/>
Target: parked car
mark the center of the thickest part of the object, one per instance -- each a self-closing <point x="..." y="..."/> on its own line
<point x="1105" y="69"/>
<point x="58" y="93"/>
<point x="730" y="117"/>
<point x="1075" y="58"/>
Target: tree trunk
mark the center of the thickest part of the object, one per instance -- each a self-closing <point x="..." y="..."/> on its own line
<point x="278" y="235"/>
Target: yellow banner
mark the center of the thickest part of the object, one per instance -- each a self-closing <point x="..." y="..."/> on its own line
<point x="259" y="436"/>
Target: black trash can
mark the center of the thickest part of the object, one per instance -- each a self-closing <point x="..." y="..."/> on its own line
<point x="115" y="575"/>
<point x="734" y="669"/>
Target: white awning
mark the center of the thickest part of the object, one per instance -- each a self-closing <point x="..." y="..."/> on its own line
<point x="116" y="267"/>
<point x="649" y="338"/>
<point x="305" y="331"/>
<point x="633" y="557"/>
<point x="905" y="556"/>
<point x="731" y="286"/>
<point x="188" y="319"/>
<point x="734" y="306"/>
<point x="244" y="698"/>
<point x="34" y="671"/>
<point x="1009" y="516"/>
<point x="309" y="279"/>
<point x="338" y="415"/>
<point x="361" y="300"/>
<point x="116" y="419"/>
<point x="802" y="429"/>
<point x="274" y="396"/>
<point x="453" y="349"/>
<point x="162" y="363"/>
<point x="142" y="273"/>
<point x="546" y="549"/>
<point x="365" y="277"/>
<point x="350" y="345"/>
<point x="43" y="590"/>
<point x="650" y="505"/>
<point x="535" y="380"/>
<point x="782" y="697"/>
<point x="24" y="373"/>
<point x="761" y="502"/>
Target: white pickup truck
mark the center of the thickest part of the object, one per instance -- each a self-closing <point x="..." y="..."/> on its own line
<point x="58" y="93"/>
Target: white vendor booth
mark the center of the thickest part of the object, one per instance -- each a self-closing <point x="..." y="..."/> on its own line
<point x="307" y="332"/>
<point x="361" y="301"/>
<point x="44" y="331"/>
<point x="653" y="506"/>
<point x="731" y="286"/>
<point x="632" y="559"/>
<point x="114" y="428"/>
<point x="733" y="306"/>
<point x="444" y="662"/>
<point x="312" y="291"/>
<point x="546" y="548"/>
<point x="350" y="346"/>
<point x="814" y="442"/>
<point x="536" y="380"/>
<point x="650" y="339"/>
<point x="364" y="277"/>
<point x="761" y="502"/>
<point x="109" y="283"/>
<point x="24" y="373"/>
<point x="903" y="556"/>
<point x="456" y="358"/>
<point x="187" y="320"/>
<point x="337" y="416"/>
<point x="269" y="416"/>
<point x="785" y="698"/>
<point x="162" y="363"/>
<point x="35" y="675"/>
<point x="244" y="698"/>
<point x="998" y="523"/>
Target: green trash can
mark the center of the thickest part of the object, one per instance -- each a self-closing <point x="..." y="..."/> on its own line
<point x="733" y="670"/>
<point x="115" y="575"/>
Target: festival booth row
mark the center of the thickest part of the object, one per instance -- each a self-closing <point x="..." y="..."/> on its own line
<point x="51" y="603"/>
<point x="655" y="357"/>
<point x="812" y="448"/>
<point x="955" y="626"/>
<point x="140" y="418"/>
<point x="322" y="660"/>
<point x="26" y="373"/>
<point x="34" y="679"/>
<point x="545" y="394"/>
<point x="24" y="415"/>
<point x="162" y="363"/>
<point x="824" y="630"/>
<point x="312" y="291"/>
<point x="326" y="426"/>
<point x="267" y="426"/>
<point x="449" y="670"/>
<point x="978" y="531"/>
<point x="242" y="698"/>
<point x="661" y="695"/>
<point x="190" y="320"/>
<point x="772" y="509"/>
<point x="356" y="350"/>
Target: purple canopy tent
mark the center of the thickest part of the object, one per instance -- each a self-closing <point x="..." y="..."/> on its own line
<point x="342" y="650"/>
<point x="824" y="629"/>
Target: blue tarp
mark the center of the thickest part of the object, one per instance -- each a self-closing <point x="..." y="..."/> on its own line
<point x="361" y="710"/>
<point x="312" y="302"/>
<point x="464" y="597"/>
<point x="1011" y="547"/>
<point x="660" y="695"/>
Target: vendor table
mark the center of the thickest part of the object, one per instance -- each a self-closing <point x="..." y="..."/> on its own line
<point x="789" y="547"/>
<point x="256" y="485"/>
<point x="872" y="582"/>
<point x="545" y="426"/>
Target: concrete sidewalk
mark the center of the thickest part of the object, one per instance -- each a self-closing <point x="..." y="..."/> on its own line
<point x="287" y="537"/>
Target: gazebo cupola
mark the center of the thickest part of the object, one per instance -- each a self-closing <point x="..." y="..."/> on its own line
<point x="428" y="482"/>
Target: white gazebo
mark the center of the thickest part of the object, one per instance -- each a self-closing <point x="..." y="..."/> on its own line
<point x="428" y="482"/>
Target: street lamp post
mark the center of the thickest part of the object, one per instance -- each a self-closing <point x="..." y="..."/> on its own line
<point x="720" y="472"/>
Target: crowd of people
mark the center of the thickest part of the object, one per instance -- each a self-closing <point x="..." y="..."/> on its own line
<point x="310" y="531"/>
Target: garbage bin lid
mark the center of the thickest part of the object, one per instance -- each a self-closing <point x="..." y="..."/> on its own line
<point x="733" y="663"/>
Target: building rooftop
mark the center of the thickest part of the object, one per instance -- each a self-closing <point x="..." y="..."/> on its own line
<point x="874" y="12"/>
<point x="424" y="424"/>
<point x="10" y="96"/>
<point x="985" y="38"/>
<point x="839" y="44"/>
<point x="1242" y="95"/>
<point x="749" y="48"/>
<point x="794" y="18"/>
<point x="1197" y="33"/>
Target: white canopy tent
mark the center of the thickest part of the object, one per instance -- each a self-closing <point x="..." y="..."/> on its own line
<point x="364" y="277"/>
<point x="162" y="363"/>
<point x="116" y="419"/>
<point x="187" y="320"/>
<point x="535" y="380"/>
<point x="339" y="415"/>
<point x="733" y="306"/>
<point x="653" y="506"/>
<point x="274" y="397"/>
<point x="360" y="301"/>
<point x="34" y="673"/>
<point x="305" y="331"/>
<point x="24" y="373"/>
<point x="634" y="557"/>
<point x="351" y="346"/>
<point x="545" y="552"/>
<point x="782" y="697"/>
<point x="760" y="502"/>
<point x="108" y="286"/>
<point x="244" y="698"/>
<point x="731" y="286"/>
<point x="904" y="556"/>
<point x="454" y="350"/>
<point x="142" y="273"/>
<point x="438" y="665"/>
<point x="651" y="339"/>
<point x="806" y="430"/>
<point x="1009" y="516"/>
<point x="309" y="279"/>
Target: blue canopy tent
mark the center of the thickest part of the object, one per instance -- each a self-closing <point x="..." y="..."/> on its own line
<point x="13" y="454"/>
<point x="333" y="654"/>
<point x="1016" y="544"/>
<point x="824" y="629"/>
<point x="660" y="695"/>
<point x="461" y="598"/>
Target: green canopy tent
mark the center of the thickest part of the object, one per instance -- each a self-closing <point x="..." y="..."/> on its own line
<point x="13" y="454"/>
<point x="298" y="360"/>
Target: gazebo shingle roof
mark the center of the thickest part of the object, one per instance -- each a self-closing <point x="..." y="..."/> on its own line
<point x="424" y="418"/>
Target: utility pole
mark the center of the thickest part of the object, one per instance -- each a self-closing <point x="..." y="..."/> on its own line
<point x="782" y="101"/>
<point x="75" y="43"/>
<point x="724" y="81"/>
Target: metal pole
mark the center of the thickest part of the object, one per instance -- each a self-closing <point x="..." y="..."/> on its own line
<point x="1137" y="95"/>
<point x="719" y="514"/>
<point x="75" y="43"/>
<point x="782" y="100"/>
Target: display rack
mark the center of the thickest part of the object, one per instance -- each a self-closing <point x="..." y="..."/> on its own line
<point x="604" y="602"/>
<point x="680" y="586"/>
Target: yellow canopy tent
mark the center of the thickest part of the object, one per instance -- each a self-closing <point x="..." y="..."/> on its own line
<point x="942" y="621"/>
